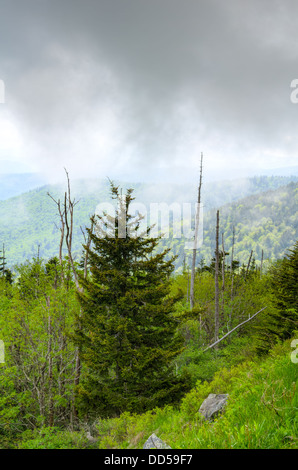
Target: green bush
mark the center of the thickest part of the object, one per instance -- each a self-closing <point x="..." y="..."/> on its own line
<point x="261" y="412"/>
<point x="54" y="438"/>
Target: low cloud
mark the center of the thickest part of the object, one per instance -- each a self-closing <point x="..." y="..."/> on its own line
<point x="138" y="89"/>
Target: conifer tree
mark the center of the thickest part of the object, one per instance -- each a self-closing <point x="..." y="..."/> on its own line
<point x="282" y="320"/>
<point x="285" y="285"/>
<point x="126" y="334"/>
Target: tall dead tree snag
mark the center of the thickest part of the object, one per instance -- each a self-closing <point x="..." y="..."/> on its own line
<point x="223" y="265"/>
<point x="216" y="313"/>
<point x="61" y="212"/>
<point x="88" y="243"/>
<point x="69" y="209"/>
<point x="3" y="262"/>
<point x="232" y="262"/>
<point x="261" y="267"/>
<point x="248" y="264"/>
<point x="194" y="253"/>
<point x="66" y="214"/>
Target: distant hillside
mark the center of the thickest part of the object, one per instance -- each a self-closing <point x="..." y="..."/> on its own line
<point x="265" y="221"/>
<point x="15" y="184"/>
<point x="31" y="219"/>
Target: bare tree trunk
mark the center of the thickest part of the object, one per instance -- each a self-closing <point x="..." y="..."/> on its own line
<point x="62" y="230"/>
<point x="87" y="243"/>
<point x="66" y="217"/>
<point x="3" y="260"/>
<point x="194" y="253"/>
<point x="261" y="267"/>
<point x="68" y="211"/>
<point x="223" y="276"/>
<point x="232" y="260"/>
<point x="248" y="264"/>
<point x="216" y="319"/>
<point x="187" y="284"/>
<point x="62" y="235"/>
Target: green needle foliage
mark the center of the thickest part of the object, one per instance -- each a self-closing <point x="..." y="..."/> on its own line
<point x="282" y="320"/>
<point x="126" y="332"/>
<point x="285" y="283"/>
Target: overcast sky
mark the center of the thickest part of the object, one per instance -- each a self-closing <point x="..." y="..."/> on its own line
<point x="137" y="88"/>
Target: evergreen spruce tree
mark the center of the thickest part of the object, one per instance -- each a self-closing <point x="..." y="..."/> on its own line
<point x="126" y="334"/>
<point x="285" y="285"/>
<point x="282" y="320"/>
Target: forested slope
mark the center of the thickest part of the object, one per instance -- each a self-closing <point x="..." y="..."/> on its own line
<point x="75" y="356"/>
<point x="265" y="220"/>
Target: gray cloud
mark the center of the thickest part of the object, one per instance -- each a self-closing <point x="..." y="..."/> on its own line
<point x="135" y="87"/>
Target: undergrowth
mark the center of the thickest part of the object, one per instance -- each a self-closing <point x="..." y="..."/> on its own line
<point x="261" y="413"/>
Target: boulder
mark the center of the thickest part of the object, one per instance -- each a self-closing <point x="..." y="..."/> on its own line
<point x="153" y="442"/>
<point x="91" y="438"/>
<point x="213" y="405"/>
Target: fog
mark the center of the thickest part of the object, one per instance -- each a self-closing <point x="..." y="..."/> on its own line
<point x="137" y="89"/>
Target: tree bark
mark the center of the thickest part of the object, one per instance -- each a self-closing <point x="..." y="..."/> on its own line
<point x="216" y="313"/>
<point x="232" y="261"/>
<point x="261" y="267"/>
<point x="62" y="230"/>
<point x="248" y="264"/>
<point x="194" y="253"/>
<point x="223" y="277"/>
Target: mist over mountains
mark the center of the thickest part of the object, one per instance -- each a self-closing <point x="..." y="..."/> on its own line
<point x="16" y="179"/>
<point x="14" y="184"/>
<point x="29" y="222"/>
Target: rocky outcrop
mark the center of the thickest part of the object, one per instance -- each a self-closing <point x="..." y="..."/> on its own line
<point x="213" y="405"/>
<point x="153" y="442"/>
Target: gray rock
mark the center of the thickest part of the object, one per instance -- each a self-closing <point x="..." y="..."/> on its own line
<point x="153" y="442"/>
<point x="213" y="405"/>
<point x="91" y="438"/>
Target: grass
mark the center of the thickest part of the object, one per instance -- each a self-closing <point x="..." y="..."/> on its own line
<point x="262" y="413"/>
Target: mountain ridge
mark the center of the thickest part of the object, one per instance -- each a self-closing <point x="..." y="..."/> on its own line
<point x="30" y="220"/>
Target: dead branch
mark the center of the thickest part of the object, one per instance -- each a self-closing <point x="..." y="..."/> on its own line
<point x="62" y="228"/>
<point x="216" y="312"/>
<point x="194" y="252"/>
